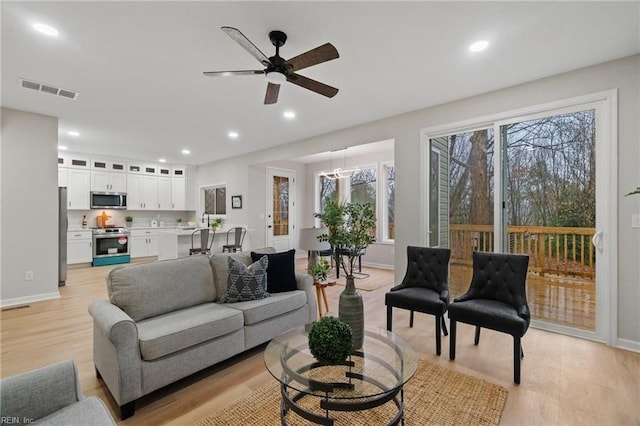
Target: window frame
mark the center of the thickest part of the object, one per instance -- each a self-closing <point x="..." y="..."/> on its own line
<point x="385" y="165"/>
<point x="203" y="190"/>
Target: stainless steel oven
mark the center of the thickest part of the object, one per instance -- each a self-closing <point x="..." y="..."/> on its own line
<point x="111" y="246"/>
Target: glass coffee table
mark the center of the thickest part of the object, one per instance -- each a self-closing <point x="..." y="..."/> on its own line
<point x="371" y="376"/>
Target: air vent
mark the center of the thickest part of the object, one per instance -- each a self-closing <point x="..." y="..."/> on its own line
<point x="47" y="88"/>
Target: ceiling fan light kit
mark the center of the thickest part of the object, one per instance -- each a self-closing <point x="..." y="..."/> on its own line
<point x="279" y="70"/>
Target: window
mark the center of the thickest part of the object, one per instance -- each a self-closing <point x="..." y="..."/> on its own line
<point x="363" y="186"/>
<point x="328" y="190"/>
<point x="214" y="199"/>
<point x="388" y="215"/>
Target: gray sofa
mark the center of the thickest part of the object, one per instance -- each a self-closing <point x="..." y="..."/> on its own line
<point x="162" y="323"/>
<point x="50" y="395"/>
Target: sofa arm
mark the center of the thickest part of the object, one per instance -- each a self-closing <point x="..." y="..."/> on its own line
<point x="114" y="323"/>
<point x="116" y="351"/>
<point x="38" y="393"/>
<point x="305" y="283"/>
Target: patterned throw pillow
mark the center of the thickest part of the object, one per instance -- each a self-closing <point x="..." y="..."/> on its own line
<point x="246" y="283"/>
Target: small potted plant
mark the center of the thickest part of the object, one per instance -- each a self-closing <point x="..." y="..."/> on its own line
<point x="129" y="220"/>
<point x="179" y="222"/>
<point x="216" y="223"/>
<point x="319" y="270"/>
<point x="330" y="340"/>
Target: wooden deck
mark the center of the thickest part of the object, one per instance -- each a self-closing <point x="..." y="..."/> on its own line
<point x="561" y="282"/>
<point x="569" y="301"/>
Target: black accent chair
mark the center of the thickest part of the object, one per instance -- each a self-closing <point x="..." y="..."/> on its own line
<point x="425" y="287"/>
<point x="496" y="300"/>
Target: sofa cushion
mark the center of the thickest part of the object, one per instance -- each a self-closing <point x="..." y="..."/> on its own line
<point x="174" y="331"/>
<point x="151" y="289"/>
<point x="246" y="282"/>
<point x="281" y="274"/>
<point x="220" y="266"/>
<point x="277" y="304"/>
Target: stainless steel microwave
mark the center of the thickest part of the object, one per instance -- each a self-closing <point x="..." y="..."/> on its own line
<point x="108" y="200"/>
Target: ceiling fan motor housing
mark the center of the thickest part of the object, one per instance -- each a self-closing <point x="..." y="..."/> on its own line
<point x="278" y="38"/>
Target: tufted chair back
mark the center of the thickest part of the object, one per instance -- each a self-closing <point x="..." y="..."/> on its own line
<point x="501" y="277"/>
<point x="428" y="268"/>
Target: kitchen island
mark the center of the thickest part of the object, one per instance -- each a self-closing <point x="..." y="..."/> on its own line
<point x="174" y="243"/>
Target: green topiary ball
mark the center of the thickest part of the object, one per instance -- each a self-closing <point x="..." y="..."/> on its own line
<point x="330" y="340"/>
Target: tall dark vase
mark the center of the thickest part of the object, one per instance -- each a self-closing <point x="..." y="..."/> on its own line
<point x="351" y="311"/>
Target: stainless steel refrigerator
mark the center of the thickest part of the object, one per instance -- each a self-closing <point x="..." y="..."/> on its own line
<point x="63" y="224"/>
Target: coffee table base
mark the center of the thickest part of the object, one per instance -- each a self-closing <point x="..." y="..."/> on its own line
<point x="290" y="402"/>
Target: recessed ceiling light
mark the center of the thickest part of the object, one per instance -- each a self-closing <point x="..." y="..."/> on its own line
<point x="73" y="133"/>
<point x="62" y="147"/>
<point x="45" y="29"/>
<point x="233" y="135"/>
<point x="289" y="115"/>
<point x="185" y="152"/>
<point x="162" y="160"/>
<point x="479" y="46"/>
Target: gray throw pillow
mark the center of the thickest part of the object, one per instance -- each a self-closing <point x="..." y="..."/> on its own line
<point x="246" y="282"/>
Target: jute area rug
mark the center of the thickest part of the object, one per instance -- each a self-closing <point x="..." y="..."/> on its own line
<point x="434" y="396"/>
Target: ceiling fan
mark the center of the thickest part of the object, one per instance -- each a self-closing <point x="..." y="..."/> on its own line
<point x="279" y="70"/>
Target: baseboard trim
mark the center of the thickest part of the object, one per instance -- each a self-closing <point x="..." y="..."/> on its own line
<point x="17" y="301"/>
<point x="629" y="345"/>
<point x="378" y="265"/>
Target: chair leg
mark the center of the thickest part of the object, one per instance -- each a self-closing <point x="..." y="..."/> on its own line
<point x="444" y="326"/>
<point x="476" y="340"/>
<point x="521" y="352"/>
<point x="411" y="320"/>
<point x="452" y="339"/>
<point x="438" y="337"/>
<point x="389" y="317"/>
<point x="517" y="352"/>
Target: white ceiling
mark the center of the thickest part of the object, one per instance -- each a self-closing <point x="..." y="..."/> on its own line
<point x="138" y="66"/>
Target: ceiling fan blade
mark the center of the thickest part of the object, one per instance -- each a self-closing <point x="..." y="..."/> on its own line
<point x="271" y="97"/>
<point x="320" y="54"/>
<point x="230" y="73"/>
<point x="313" y="85"/>
<point x="243" y="41"/>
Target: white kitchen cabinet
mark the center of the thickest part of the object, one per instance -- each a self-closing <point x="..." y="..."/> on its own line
<point x="179" y="193"/>
<point x="79" y="248"/>
<point x="78" y="186"/>
<point x="165" y="191"/>
<point x="142" y="192"/>
<point x="144" y="243"/>
<point x="108" y="181"/>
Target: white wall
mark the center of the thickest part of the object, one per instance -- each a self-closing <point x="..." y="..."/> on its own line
<point x="29" y="227"/>
<point x="623" y="74"/>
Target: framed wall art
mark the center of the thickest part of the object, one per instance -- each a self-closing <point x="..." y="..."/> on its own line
<point x="236" y="201"/>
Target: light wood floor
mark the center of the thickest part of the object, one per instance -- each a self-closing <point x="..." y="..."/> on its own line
<point x="565" y="380"/>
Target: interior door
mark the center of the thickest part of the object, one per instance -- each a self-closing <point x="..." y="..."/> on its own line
<point x="281" y="209"/>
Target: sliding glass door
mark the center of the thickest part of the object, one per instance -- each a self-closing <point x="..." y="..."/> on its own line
<point x="550" y="194"/>
<point x="529" y="184"/>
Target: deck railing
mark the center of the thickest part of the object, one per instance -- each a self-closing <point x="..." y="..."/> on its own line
<point x="561" y="251"/>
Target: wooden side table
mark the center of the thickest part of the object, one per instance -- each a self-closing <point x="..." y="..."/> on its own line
<point x="321" y="294"/>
